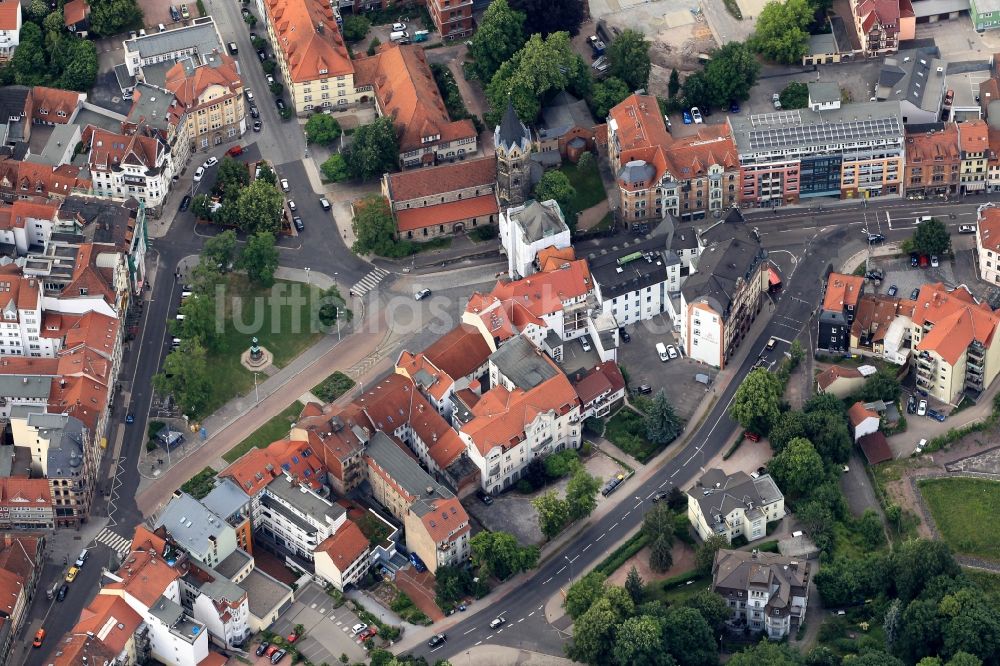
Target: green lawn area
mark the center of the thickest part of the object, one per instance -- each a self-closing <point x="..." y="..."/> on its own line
<point x="285" y="329"/>
<point x="627" y="431"/>
<point x="271" y="431"/>
<point x="678" y="594"/>
<point x="333" y="387"/>
<point x="963" y="510"/>
<point x="200" y="484"/>
<point x="587" y="183"/>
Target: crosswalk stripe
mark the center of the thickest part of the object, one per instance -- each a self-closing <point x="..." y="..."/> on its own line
<point x="369" y="281"/>
<point x="117" y="543"/>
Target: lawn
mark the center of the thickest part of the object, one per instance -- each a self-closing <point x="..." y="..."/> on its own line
<point x="676" y="590"/>
<point x="963" y="510"/>
<point x="200" y="484"/>
<point x="272" y="431"/>
<point x="627" y="431"/>
<point x="333" y="387"/>
<point x="282" y="323"/>
<point x="587" y="183"/>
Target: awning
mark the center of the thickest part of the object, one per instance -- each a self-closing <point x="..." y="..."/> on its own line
<point x="773" y="278"/>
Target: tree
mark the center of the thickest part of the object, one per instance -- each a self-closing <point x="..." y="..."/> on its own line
<point x="498" y="554"/>
<point x="606" y="95"/>
<point x="787" y="426"/>
<point x="200" y="322"/>
<point x="731" y="73"/>
<point x="594" y="631"/>
<point x="629" y="58"/>
<point x="674" y="85"/>
<point x="704" y="557"/>
<point x="373" y="226"/>
<point x="81" y="66"/>
<point x="688" y="637"/>
<point x="499" y="36"/>
<point x="931" y="237"/>
<point x="266" y="174"/>
<point x="220" y="250"/>
<point x="697" y="91"/>
<point x="869" y="526"/>
<point x="582" y="594"/>
<point x="556" y="185"/>
<point x="259" y="258"/>
<point x="917" y="630"/>
<point x="634" y="586"/>
<point x="798" y="469"/>
<point x="824" y="402"/>
<point x="333" y="307"/>
<point x="662" y="423"/>
<point x="201" y="207"/>
<point x="637" y="643"/>
<point x="552" y="513"/>
<point x="28" y="62"/>
<point x="322" y="128"/>
<point x="373" y="46"/>
<point x="549" y="16"/>
<point x="373" y="151"/>
<point x="795" y="96"/>
<point x="355" y="28"/>
<point x="260" y="206"/>
<point x="677" y="500"/>
<point x="712" y="607"/>
<point x="875" y="659"/>
<point x="883" y="385"/>
<point x="110" y="16"/>
<point x="828" y="432"/>
<point x="37" y="10"/>
<point x="581" y="494"/>
<point x="766" y="652"/>
<point x="915" y="563"/>
<point x="756" y="404"/>
<point x="561" y="464"/>
<point x="658" y="525"/>
<point x="185" y="376"/>
<point x="335" y="168"/>
<point x="231" y="178"/>
<point x="781" y="33"/>
<point x="452" y="584"/>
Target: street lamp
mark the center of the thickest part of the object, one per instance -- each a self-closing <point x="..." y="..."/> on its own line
<point x="255" y="391"/>
<point x="307" y="275"/>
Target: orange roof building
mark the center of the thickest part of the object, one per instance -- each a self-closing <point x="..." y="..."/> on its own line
<point x="405" y="90"/>
<point x="933" y="159"/>
<point x="53" y="106"/>
<point x="258" y="467"/>
<point x="988" y="243"/>
<point x="974" y="143"/>
<point x="208" y="98"/>
<point x="110" y="620"/>
<point x="838" y="310"/>
<point x="76" y="16"/>
<point x="10" y="24"/>
<point x="344" y="557"/>
<point x="138" y="165"/>
<point x="25" y="504"/>
<point x="839" y="381"/>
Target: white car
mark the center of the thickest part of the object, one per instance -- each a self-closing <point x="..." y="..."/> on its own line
<point x="291" y="205"/>
<point x="497" y="621"/>
<point x="284" y="185"/>
<point x="398" y="27"/>
<point x="586" y="343"/>
<point x="422" y="294"/>
<point x="270" y="80"/>
<point x="934" y="261"/>
<point x="696" y="115"/>
<point x="358" y="628"/>
<point x="199" y="172"/>
<point x="210" y="162"/>
<point x="672" y="352"/>
<point x="922" y="408"/>
<point x="966" y="228"/>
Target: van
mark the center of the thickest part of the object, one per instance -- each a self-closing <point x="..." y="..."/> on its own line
<point x="661" y="351"/>
<point x="142" y="32"/>
<point x="82" y="558"/>
<point x="162" y="27"/>
<point x="398" y="36"/>
<point x="180" y="317"/>
<point x="924" y="218"/>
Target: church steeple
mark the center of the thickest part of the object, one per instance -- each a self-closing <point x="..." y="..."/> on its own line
<point x="512" y="139"/>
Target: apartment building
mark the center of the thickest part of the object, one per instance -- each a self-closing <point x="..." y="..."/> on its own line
<point x="882" y="24"/>
<point x="734" y="505"/>
<point x="855" y="151"/>
<point x="21" y="559"/>
<point x="657" y="174"/>
<point x="208" y="99"/>
<point x="291" y="520"/>
<point x="529" y="228"/>
<point x="108" y="627"/>
<point x="721" y="300"/>
<point x="403" y="87"/>
<point x="10" y="29"/>
<point x="974" y="144"/>
<point x="198" y="40"/>
<point x="837" y="313"/>
<point x="438" y="531"/>
<point x="601" y="389"/>
<point x="76" y="17"/>
<point x="344" y="557"/>
<point x="952" y="338"/>
<point x="531" y="410"/>
<point x="988" y="243"/>
<point x="25" y="504"/>
<point x="917" y="79"/>
<point x="881" y="327"/>
<point x="206" y="537"/>
<point x="933" y="160"/>
<point x="24" y="180"/>
<point x="221" y="604"/>
<point x="766" y="592"/>
<point x="453" y="18"/>
<point x="26" y="223"/>
<point x="985" y="14"/>
<point x="444" y="199"/>
<point x="311" y="54"/>
<point x="123" y="167"/>
<point x="228" y="501"/>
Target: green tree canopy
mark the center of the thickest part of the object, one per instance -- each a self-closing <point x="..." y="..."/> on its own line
<point x="704" y="557"/>
<point x="220" y="250"/>
<point x="883" y="385"/>
<point x="662" y="423"/>
<point x="637" y="643"/>
<point x="634" y="586"/>
<point x="595" y="631"/>
<point x="549" y="16"/>
<point x="110" y="17"/>
<point x="555" y="185"/>
<point x="795" y="96"/>
<point x="28" y="63"/>
<point x="335" y="168"/>
<point x="260" y="206"/>
<point x="757" y="402"/>
<point x="200" y="322"/>
<point x="674" y="84"/>
<point x="781" y="33"/>
<point x="259" y="258"/>
<point x="373" y="226"/>
<point x="355" y="27"/>
<point x="581" y="493"/>
<point x="373" y="151"/>
<point x="659" y="527"/>
<point x="697" y="91"/>
<point x="606" y="95"/>
<point x="582" y="594"/>
<point x="185" y="376"/>
<point x="231" y="177"/>
<point x="499" y="36"/>
<point x="80" y="72"/>
<point x="688" y="636"/>
<point x="798" y="469"/>
<point x="629" y="58"/>
<point x="766" y="652"/>
<point x="499" y="554"/>
<point x="553" y="513"/>
<point x="731" y="73"/>
<point x="322" y="128"/>
<point x="712" y="607"/>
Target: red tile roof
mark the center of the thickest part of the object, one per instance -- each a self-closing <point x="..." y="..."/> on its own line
<point x="307" y="34"/>
<point x="75" y="11"/>
<point x="826" y="378"/>
<point x="973" y="136"/>
<point x="258" y="467"/>
<point x="81" y="650"/>
<point x="59" y="104"/>
<point x="111" y="620"/>
<point x="412" y="219"/>
<point x="144" y="573"/>
<point x="876" y="448"/>
<point x="841" y="291"/>
<point x="433" y="181"/>
<point x="10" y="15"/>
<point x="19" y="554"/>
<point x="345" y="546"/>
<point x="883" y="12"/>
<point x="459" y="352"/>
<point x="957" y="318"/>
<point x="109" y="150"/>
<point x="443" y="521"/>
<point x="858" y="413"/>
<point x="989" y="229"/>
<point x="602" y="379"/>
<point x="25" y="493"/>
<point x="406" y="91"/>
<point x="930" y="146"/>
<point x="188" y="89"/>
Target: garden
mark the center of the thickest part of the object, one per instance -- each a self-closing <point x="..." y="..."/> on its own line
<point x="963" y="511"/>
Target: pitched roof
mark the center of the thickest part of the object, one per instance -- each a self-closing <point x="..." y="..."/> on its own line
<point x="875" y="447"/>
<point x="188" y="83"/>
<point x="306" y="31"/>
<point x="11" y="589"/>
<point x="858" y="413"/>
<point x="144" y="573"/>
<point x="109" y="150"/>
<point x="958" y="320"/>
<point x="75" y="11"/>
<point x="783" y="577"/>
<point x="826" y="378"/>
<point x="59" y="104"/>
<point x="406" y="91"/>
<point x="883" y="12"/>
<point x="258" y="467"/>
<point x="345" y="546"/>
<point x="459" y="351"/>
<point x="431" y="181"/>
<point x="24" y="493"/>
<point x="989" y="228"/>
<point x="412" y="219"/>
<point x="10" y="15"/>
<point x="932" y="146"/>
<point x="842" y="290"/>
<point x="443" y="518"/>
<point x="109" y="619"/>
<point x="81" y="649"/>
<point x="511" y="131"/>
<point x="600" y="380"/>
<point x="973" y="136"/>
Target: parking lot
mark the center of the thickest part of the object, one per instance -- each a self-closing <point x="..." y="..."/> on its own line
<point x="328" y="629"/>
<point x="676" y="377"/>
<point x="898" y="272"/>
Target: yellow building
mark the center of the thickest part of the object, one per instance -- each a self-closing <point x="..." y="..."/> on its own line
<point x="315" y="67"/>
<point x="208" y="101"/>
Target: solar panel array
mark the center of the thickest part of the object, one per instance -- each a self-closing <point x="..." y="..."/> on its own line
<point x="799" y="135"/>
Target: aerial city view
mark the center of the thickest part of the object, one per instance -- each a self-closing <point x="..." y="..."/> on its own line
<point x="500" y="332"/>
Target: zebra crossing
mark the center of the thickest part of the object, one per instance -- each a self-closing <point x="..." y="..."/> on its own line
<point x="369" y="282"/>
<point x="118" y="544"/>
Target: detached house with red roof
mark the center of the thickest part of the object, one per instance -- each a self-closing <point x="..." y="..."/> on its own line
<point x="76" y="16"/>
<point x="344" y="557"/>
<point x="953" y="341"/>
<point x="404" y="89"/>
<point x="10" y="28"/>
<point x="21" y="559"/>
<point x="882" y="24"/>
<point x="123" y="167"/>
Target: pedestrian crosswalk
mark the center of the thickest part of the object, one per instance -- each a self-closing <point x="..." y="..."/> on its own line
<point x="368" y="282"/>
<point x="118" y="544"/>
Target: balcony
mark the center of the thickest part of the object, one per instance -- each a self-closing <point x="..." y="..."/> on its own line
<point x="925" y="383"/>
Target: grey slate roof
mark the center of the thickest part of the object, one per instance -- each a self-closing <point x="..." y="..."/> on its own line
<point x="562" y="114"/>
<point x="722" y="265"/>
<point x="191" y="524"/>
<point x="264" y="593"/>
<point x="825" y="43"/>
<point x="732" y="492"/>
<point x="233" y="563"/>
<point x="511" y="131"/>
<point x="522" y="363"/>
<point x="637" y="171"/>
<point x="222" y="589"/>
<point x="659" y="249"/>
<point x="538" y="220"/>
<point x="151" y="106"/>
<point x="913" y="76"/>
<point x="226" y="498"/>
<point x="203" y="37"/>
<point x="67" y="436"/>
<point x="25" y="387"/>
<point x="403" y="469"/>
<point x="783" y="577"/>
<point x="823" y="91"/>
<point x="306" y="502"/>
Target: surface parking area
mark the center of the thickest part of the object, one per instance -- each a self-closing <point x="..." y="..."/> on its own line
<point x="328" y="629"/>
<point x="899" y="272"/>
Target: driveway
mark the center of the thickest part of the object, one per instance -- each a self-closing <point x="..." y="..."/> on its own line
<point x="328" y="629"/>
<point x="857" y="486"/>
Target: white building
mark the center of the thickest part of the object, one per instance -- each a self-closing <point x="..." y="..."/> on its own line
<point x="734" y="505"/>
<point x="988" y="243"/>
<point x="528" y="228"/>
<point x="765" y="591"/>
<point x="125" y="166"/>
<point x="344" y="557"/>
<point x="25" y="224"/>
<point x="221" y="604"/>
<point x="197" y="40"/>
<point x="864" y="420"/>
<point x="10" y="28"/>
<point x="293" y="519"/>
<point x="203" y="535"/>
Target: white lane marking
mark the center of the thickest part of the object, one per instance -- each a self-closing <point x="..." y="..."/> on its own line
<point x="561" y="570"/>
<point x="531" y="613"/>
<point x="520" y="621"/>
<point x="546" y="581"/>
<point x="470" y="631"/>
<point x="674" y="474"/>
<point x="625" y="515"/>
<point x="599" y="538"/>
<point x="613" y="526"/>
<point x="477" y="643"/>
<point x="586" y="547"/>
<point x="663" y="484"/>
<point x="574" y="559"/>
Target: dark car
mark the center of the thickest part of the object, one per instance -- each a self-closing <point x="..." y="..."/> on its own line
<point x="876" y="238"/>
<point x="914" y="260"/>
<point x="624" y="335"/>
<point x="915" y="293"/>
<point x="663" y="494"/>
<point x="254" y="113"/>
<point x="174" y="14"/>
<point x="875" y="274"/>
<point x="278" y="656"/>
<point x="485" y="498"/>
<point x="185" y="202"/>
<point x="256" y="126"/>
<point x="911" y="405"/>
<point x="262" y="648"/>
<point x="644" y="389"/>
<point x="936" y="415"/>
<point x="893" y="290"/>
<point x="436" y="640"/>
<point x="262" y="55"/>
<point x="61" y="594"/>
<point x="280" y="103"/>
<point x="299" y="225"/>
<point x="130" y="418"/>
<point x="734" y="107"/>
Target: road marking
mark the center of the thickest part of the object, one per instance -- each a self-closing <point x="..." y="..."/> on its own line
<point x="586" y="547"/>
<point x="599" y="538"/>
<point x="561" y="570"/>
<point x="625" y="515"/>
<point x="674" y="474"/>
<point x="543" y="583"/>
<point x="520" y="621"/>
<point x="613" y="526"/>
<point x="477" y="643"/>
<point x="574" y="559"/>
<point x="470" y="631"/>
<point x="637" y="505"/>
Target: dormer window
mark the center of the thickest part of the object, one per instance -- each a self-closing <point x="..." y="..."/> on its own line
<point x="43" y="112"/>
<point x="324" y="71"/>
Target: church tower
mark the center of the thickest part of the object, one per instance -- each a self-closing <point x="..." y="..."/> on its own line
<point x="513" y="148"/>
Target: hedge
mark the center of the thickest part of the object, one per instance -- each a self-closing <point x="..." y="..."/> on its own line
<point x="621" y="554"/>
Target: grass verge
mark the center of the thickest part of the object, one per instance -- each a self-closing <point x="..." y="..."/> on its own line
<point x="627" y="431"/>
<point x="963" y="510"/>
<point x="587" y="183"/>
<point x="271" y="431"/>
<point x="622" y="553"/>
<point x="333" y="387"/>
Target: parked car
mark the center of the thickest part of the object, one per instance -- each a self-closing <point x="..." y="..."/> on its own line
<point x="875" y="238"/>
<point x="936" y="415"/>
<point x="185" y="202"/>
<point x="925" y="261"/>
<point x="278" y="656"/>
<point x="497" y="622"/>
<point x="71" y="574"/>
<point x="235" y="151"/>
<point x="966" y="228"/>
<point x="696" y="115"/>
<point x="771" y="342"/>
<point x="396" y="27"/>
<point x="623" y="334"/>
<point x="262" y="648"/>
<point x="174" y="14"/>
<point x="686" y="117"/>
<point x="261" y="54"/>
<point x="915" y="293"/>
<point x="300" y="226"/>
<point x="661" y="495"/>
<point x="914" y="260"/>
<point x="254" y="113"/>
<point x="601" y="64"/>
<point x="893" y="289"/>
<point x="585" y="343"/>
<point x="211" y="162"/>
<point x="672" y="352"/>
<point x="39" y="638"/>
<point x="284" y="185"/>
<point x="292" y="637"/>
<point x="436" y="640"/>
<point x="922" y="408"/>
<point x="280" y="103"/>
<point x="184" y="12"/>
<point x="934" y="261"/>
<point x="485" y="498"/>
<point x="291" y="205"/>
<point x="734" y="107"/>
<point x="358" y="628"/>
<point x="422" y="294"/>
<point x="256" y="126"/>
<point x="270" y="80"/>
<point x="644" y="389"/>
<point x="198" y="173"/>
<point x="270" y="651"/>
<point x="911" y="405"/>
<point x="324" y="203"/>
<point x="63" y="590"/>
<point x="417" y="563"/>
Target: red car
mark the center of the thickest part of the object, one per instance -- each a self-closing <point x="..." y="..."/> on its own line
<point x="292" y="637"/>
<point x="270" y="651"/>
<point x="752" y="436"/>
<point x="235" y="151"/>
<point x="925" y="261"/>
<point x="370" y="632"/>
